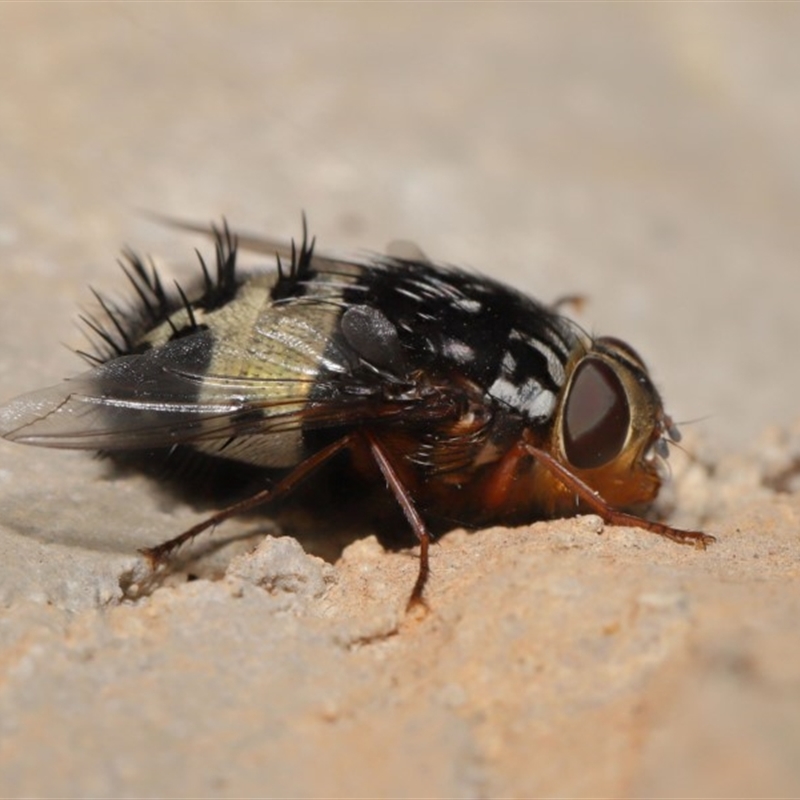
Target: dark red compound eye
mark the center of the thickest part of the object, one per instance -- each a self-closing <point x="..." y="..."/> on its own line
<point x="597" y="415"/>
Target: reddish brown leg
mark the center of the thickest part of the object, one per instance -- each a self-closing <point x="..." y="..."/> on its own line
<point x="412" y="515"/>
<point x="611" y="515"/>
<point x="283" y="487"/>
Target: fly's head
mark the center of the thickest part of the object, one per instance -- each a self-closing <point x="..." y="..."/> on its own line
<point x="611" y="428"/>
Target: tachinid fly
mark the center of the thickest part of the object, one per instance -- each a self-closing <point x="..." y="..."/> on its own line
<point x="469" y="400"/>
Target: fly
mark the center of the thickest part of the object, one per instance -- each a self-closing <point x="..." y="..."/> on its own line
<point x="469" y="400"/>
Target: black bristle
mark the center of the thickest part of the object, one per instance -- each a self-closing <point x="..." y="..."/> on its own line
<point x="114" y="314"/>
<point x="221" y="291"/>
<point x="291" y="282"/>
<point x="92" y="360"/>
<point x="147" y="305"/>
<point x="188" y="306"/>
<point x="207" y="282"/>
<point x="91" y="323"/>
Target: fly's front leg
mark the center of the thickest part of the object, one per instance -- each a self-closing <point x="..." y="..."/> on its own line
<point x="611" y="515"/>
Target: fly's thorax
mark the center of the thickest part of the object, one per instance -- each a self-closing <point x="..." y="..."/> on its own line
<point x="610" y="427"/>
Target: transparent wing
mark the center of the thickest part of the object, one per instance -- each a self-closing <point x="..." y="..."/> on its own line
<point x="166" y="396"/>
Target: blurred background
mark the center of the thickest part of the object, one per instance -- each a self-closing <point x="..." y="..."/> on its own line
<point x="643" y="155"/>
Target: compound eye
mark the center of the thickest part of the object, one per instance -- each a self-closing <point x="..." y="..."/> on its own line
<point x="597" y="415"/>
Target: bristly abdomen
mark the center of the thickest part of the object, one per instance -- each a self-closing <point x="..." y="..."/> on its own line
<point x="121" y="330"/>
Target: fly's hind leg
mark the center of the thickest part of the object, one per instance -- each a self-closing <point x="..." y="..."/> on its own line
<point x="403" y="497"/>
<point x="160" y="553"/>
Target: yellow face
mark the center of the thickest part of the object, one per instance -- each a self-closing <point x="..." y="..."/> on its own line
<point x="610" y="428"/>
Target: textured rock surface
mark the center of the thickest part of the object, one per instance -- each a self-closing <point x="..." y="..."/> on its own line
<point x="645" y="156"/>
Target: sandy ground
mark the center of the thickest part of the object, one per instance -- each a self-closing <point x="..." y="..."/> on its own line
<point x="645" y="156"/>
